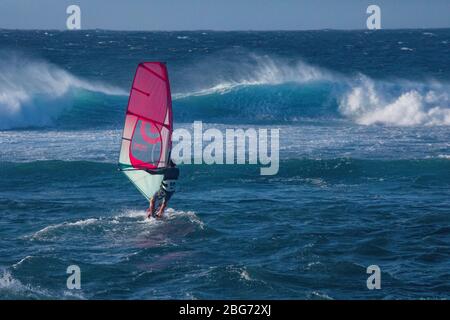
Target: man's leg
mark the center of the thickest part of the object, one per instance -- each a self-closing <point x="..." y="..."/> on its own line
<point x="167" y="196"/>
<point x="151" y="207"/>
<point x="160" y="212"/>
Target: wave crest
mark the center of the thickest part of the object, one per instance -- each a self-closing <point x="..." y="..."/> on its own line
<point x="254" y="70"/>
<point x="256" y="86"/>
<point x="34" y="92"/>
<point x="12" y="288"/>
<point x="414" y="104"/>
<point x="243" y="88"/>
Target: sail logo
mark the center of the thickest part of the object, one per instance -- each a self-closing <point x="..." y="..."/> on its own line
<point x="140" y="147"/>
<point x="230" y="146"/>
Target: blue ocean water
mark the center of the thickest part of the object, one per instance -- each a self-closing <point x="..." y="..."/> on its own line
<point x="364" y="178"/>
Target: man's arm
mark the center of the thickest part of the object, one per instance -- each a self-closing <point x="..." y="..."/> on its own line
<point x="156" y="171"/>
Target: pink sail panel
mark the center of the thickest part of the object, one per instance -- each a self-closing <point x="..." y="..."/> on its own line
<point x="148" y="125"/>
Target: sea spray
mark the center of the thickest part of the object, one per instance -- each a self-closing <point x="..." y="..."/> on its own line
<point x="34" y="92"/>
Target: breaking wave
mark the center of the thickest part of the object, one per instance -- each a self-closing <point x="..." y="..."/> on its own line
<point x="12" y="288"/>
<point x="254" y="70"/>
<point x="34" y="92"/>
<point x="397" y="104"/>
<point x="275" y="89"/>
<point x="251" y="88"/>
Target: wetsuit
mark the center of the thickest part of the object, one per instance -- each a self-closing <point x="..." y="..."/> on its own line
<point x="167" y="188"/>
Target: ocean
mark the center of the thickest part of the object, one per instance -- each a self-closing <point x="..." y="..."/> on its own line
<point x="364" y="173"/>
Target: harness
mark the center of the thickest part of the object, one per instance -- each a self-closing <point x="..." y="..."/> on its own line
<point x="168" y="185"/>
<point x="170" y="177"/>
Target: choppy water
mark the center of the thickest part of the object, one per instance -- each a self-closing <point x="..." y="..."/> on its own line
<point x="364" y="174"/>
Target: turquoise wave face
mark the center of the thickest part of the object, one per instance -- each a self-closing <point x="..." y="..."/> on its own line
<point x="265" y="104"/>
<point x="283" y="103"/>
<point x="357" y="101"/>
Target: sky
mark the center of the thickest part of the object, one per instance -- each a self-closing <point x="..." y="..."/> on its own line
<point x="224" y="14"/>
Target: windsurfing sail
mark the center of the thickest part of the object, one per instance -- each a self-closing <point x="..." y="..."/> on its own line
<point x="146" y="138"/>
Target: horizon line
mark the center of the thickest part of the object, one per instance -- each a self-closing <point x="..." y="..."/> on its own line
<point x="225" y="30"/>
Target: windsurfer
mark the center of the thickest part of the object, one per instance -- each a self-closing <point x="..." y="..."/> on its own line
<point x="165" y="192"/>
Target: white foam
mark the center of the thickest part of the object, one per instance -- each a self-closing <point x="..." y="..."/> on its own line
<point x="22" y="81"/>
<point x="71" y="294"/>
<point x="131" y="213"/>
<point x="79" y="223"/>
<point x="21" y="261"/>
<point x="320" y="295"/>
<point x="245" y="275"/>
<point x="171" y="214"/>
<point x="263" y="70"/>
<point x="367" y="104"/>
<point x="313" y="264"/>
<point x="9" y="284"/>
